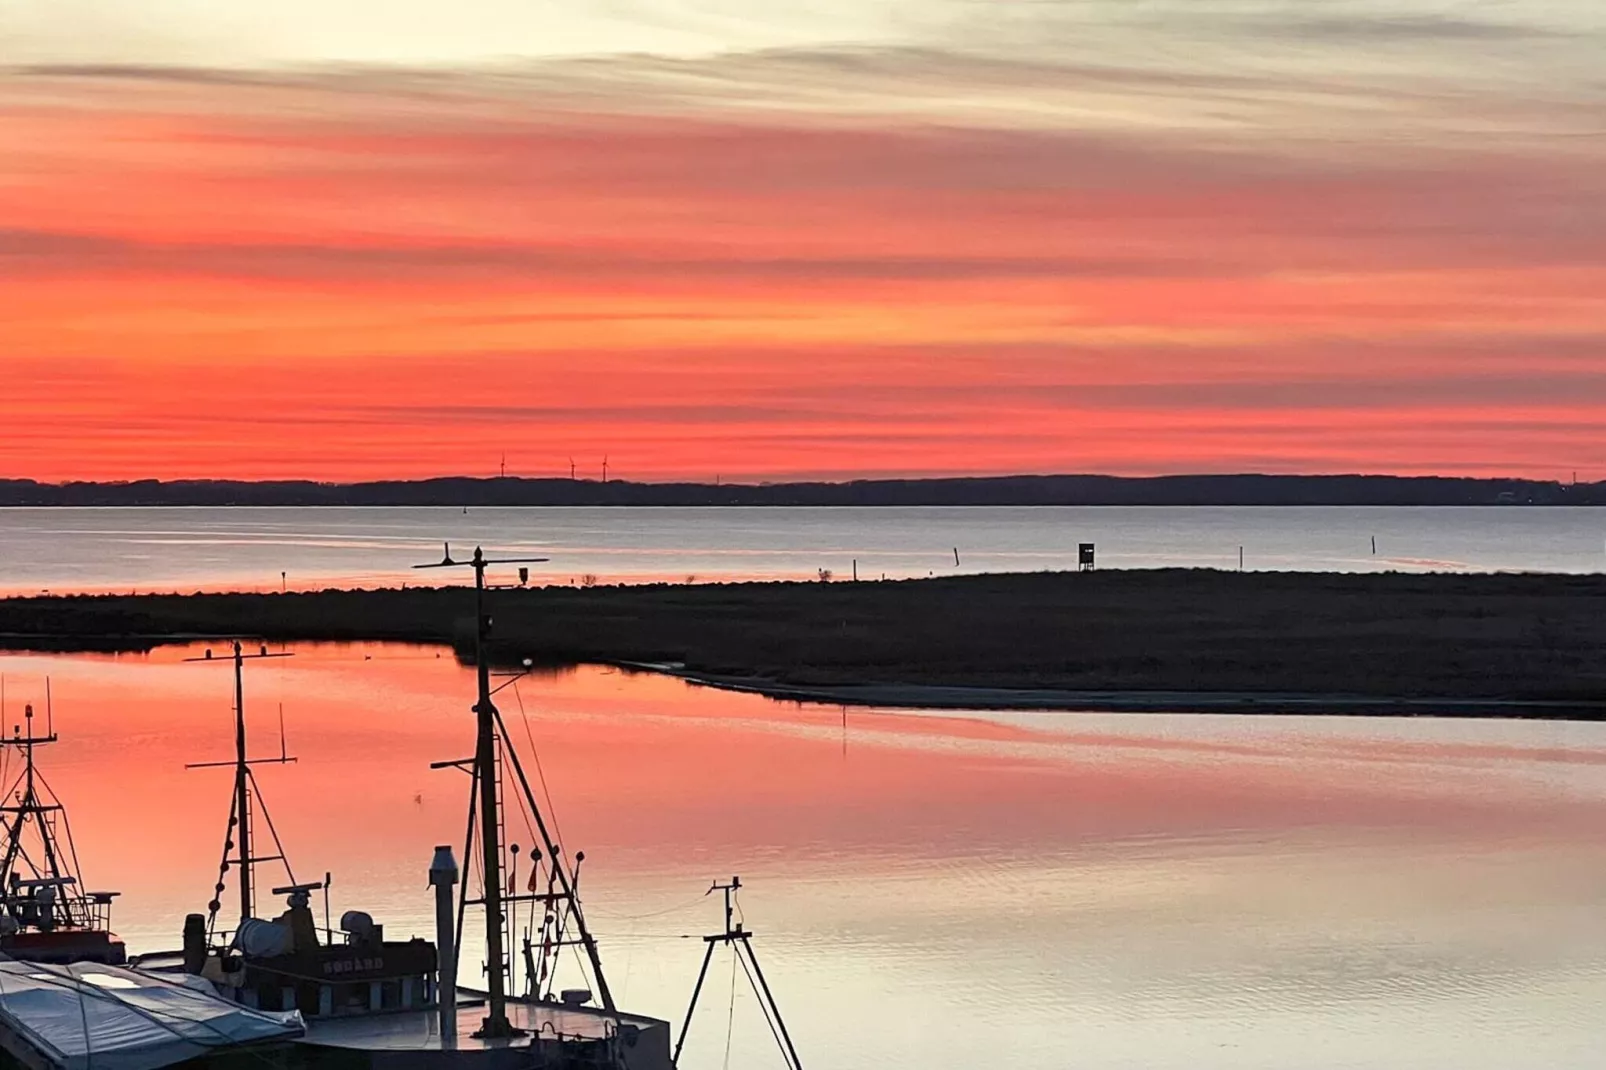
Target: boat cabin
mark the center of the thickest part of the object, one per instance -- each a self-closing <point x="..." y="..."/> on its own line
<point x="282" y="965"/>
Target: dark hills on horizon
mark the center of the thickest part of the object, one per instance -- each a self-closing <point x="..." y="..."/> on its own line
<point x="1178" y="490"/>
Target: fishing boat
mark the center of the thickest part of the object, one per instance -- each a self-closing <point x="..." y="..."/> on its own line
<point x="289" y="962"/>
<point x="376" y="1004"/>
<point x="544" y="1025"/>
<point x="46" y="916"/>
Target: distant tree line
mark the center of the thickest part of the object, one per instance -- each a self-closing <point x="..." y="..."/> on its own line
<point x="994" y="491"/>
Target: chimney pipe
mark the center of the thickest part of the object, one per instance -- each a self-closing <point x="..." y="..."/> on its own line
<point x="443" y="878"/>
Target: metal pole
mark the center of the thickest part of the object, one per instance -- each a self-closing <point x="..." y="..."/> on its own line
<point x="496" y="1023"/>
<point x="242" y="832"/>
<point x="770" y="999"/>
<point x="442" y="877"/>
<point x="685" y="1026"/>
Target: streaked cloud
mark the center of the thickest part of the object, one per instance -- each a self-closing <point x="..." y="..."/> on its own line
<point x="1023" y="236"/>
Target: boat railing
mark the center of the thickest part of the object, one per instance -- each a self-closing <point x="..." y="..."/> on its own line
<point x="328" y="937"/>
<point x="73" y="910"/>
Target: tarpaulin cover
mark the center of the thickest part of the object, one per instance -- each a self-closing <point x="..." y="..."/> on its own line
<point x="116" y="1018"/>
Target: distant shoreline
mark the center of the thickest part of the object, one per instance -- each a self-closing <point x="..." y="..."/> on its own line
<point x="1507" y="645"/>
<point x="997" y="491"/>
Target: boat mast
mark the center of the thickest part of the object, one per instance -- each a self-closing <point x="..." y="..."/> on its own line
<point x="29" y="805"/>
<point x="489" y="734"/>
<point x="242" y="789"/>
<point x="238" y="837"/>
<point x="496" y="1023"/>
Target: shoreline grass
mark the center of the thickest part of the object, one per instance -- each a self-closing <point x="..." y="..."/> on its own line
<point x="1496" y="641"/>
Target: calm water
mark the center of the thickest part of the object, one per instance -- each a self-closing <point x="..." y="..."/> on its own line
<point x="189" y="549"/>
<point x="932" y="892"/>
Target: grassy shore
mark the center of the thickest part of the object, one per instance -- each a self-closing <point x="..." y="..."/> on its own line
<point x="1371" y="643"/>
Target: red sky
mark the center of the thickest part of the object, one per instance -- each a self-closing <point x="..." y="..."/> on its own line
<point x="799" y="263"/>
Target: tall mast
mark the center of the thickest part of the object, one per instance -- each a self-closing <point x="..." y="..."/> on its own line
<point x="31" y="798"/>
<point x="237" y="845"/>
<point x="485" y="810"/>
<point x="483" y="766"/>
<point x="242" y="788"/>
<point x="496" y="1023"/>
<point x="29" y="805"/>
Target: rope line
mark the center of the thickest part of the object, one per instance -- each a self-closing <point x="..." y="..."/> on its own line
<point x="535" y="753"/>
<point x="730" y="1018"/>
<point x="763" y="1004"/>
<point x="679" y="908"/>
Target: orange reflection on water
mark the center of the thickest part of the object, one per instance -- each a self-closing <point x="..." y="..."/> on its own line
<point x="650" y="774"/>
<point x="1117" y="884"/>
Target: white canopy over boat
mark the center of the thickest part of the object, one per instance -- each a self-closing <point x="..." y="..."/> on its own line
<point x="115" y="1018"/>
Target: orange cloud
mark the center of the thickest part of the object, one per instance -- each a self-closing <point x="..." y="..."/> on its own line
<point x="348" y="277"/>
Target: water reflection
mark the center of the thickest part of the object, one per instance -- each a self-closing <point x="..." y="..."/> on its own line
<point x="931" y="891"/>
<point x="183" y="550"/>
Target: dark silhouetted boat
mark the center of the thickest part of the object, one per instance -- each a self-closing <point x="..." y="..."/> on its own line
<point x="47" y="916"/>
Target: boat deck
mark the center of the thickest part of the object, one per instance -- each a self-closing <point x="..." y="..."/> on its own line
<point x="420" y="1030"/>
<point x="417" y="1033"/>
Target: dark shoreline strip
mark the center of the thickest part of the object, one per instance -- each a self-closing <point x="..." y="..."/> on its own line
<point x="903" y="696"/>
<point x="1516" y="645"/>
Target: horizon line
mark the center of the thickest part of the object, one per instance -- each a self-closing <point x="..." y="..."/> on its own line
<point x="718" y="482"/>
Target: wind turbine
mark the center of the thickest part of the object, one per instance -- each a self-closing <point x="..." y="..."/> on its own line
<point x="605" y="468"/>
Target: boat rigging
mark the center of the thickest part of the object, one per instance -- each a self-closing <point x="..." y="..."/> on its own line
<point x="280" y="963"/>
<point x="45" y="915"/>
<point x="563" y="923"/>
<point x="247" y="799"/>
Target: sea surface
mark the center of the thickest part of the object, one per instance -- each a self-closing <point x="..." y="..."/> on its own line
<point x="187" y="549"/>
<point x="930" y="891"/>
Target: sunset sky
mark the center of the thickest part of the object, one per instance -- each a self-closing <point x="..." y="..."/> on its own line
<point x="341" y="239"/>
